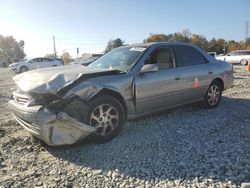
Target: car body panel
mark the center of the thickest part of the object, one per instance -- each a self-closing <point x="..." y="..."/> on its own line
<point x="157" y="89"/>
<point x="197" y="79"/>
<point x="50" y="80"/>
<point x="139" y="93"/>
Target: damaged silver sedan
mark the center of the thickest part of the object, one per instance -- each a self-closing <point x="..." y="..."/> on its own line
<point x="64" y="105"/>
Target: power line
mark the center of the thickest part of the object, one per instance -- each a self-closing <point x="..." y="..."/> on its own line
<point x="246" y="34"/>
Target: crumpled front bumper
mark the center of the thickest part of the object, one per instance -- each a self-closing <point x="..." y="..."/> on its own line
<point x="54" y="129"/>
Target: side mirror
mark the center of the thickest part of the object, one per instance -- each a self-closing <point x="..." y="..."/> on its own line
<point x="149" y="68"/>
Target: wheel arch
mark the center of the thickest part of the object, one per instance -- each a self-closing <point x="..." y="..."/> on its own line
<point x="23" y="66"/>
<point x="219" y="80"/>
<point x="114" y="94"/>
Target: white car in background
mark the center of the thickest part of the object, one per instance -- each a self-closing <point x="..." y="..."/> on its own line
<point x="239" y="56"/>
<point x="85" y="62"/>
<point x="35" y="63"/>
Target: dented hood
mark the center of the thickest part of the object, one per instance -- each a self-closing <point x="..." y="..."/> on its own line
<point x="50" y="80"/>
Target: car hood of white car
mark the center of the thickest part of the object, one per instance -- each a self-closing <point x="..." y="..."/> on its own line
<point x="16" y="64"/>
<point x="51" y="80"/>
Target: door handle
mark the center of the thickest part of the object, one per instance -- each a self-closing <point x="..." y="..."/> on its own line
<point x="210" y="72"/>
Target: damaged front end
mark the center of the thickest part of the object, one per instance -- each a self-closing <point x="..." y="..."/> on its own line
<point x="52" y="127"/>
<point x="47" y="109"/>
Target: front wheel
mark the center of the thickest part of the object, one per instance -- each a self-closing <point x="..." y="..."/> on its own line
<point x="243" y="62"/>
<point x="107" y="114"/>
<point x="23" y="69"/>
<point x="213" y="95"/>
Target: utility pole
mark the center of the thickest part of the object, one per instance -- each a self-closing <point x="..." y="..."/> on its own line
<point x="246" y="34"/>
<point x="54" y="46"/>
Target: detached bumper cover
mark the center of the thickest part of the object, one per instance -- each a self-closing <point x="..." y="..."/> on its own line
<point x="54" y="129"/>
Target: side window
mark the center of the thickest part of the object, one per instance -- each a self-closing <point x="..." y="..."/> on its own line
<point x="35" y="60"/>
<point x="39" y="60"/>
<point x="43" y="60"/>
<point x="163" y="57"/>
<point x="187" y="56"/>
<point x="244" y="53"/>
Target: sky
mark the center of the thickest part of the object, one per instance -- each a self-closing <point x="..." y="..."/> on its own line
<point x="90" y="24"/>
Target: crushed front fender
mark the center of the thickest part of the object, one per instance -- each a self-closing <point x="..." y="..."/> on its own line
<point x="54" y="129"/>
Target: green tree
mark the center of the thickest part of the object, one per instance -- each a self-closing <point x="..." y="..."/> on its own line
<point x="11" y="49"/>
<point x="217" y="45"/>
<point x="221" y="45"/>
<point x="200" y="41"/>
<point x="114" y="44"/>
<point x="212" y="45"/>
<point x="245" y="44"/>
<point x="233" y="45"/>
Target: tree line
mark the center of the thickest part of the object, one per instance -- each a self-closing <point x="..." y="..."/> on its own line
<point x="220" y="45"/>
<point x="11" y="49"/>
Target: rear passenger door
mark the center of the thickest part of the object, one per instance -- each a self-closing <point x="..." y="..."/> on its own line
<point x="47" y="62"/>
<point x="197" y="72"/>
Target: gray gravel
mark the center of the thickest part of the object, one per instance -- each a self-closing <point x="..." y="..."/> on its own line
<point x="185" y="147"/>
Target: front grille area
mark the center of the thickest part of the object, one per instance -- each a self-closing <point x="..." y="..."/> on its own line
<point x="21" y="98"/>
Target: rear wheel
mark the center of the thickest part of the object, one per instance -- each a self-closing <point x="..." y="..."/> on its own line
<point x="107" y="114"/>
<point x="243" y="62"/>
<point x="213" y="95"/>
<point x="23" y="69"/>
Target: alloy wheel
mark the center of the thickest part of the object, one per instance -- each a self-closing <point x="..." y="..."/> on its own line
<point x="213" y="95"/>
<point x="105" y="118"/>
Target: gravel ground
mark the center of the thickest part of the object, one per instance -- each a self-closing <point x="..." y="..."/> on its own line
<point x="185" y="147"/>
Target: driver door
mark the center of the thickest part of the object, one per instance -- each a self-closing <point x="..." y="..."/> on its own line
<point x="161" y="89"/>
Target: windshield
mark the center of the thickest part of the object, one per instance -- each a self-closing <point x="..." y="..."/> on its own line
<point x="121" y="59"/>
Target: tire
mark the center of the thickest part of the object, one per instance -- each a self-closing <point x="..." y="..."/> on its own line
<point x="23" y="69"/>
<point x="110" y="123"/>
<point x="213" y="95"/>
<point x="243" y="62"/>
